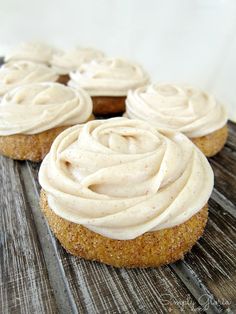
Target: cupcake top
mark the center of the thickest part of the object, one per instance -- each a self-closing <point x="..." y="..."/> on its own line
<point x="122" y="178"/>
<point x="108" y="77"/>
<point x="180" y="108"/>
<point x="38" y="107"/>
<point x="31" y="51"/>
<point x="24" y="72"/>
<point x="66" y="61"/>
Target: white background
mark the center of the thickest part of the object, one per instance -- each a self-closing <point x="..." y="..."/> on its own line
<point x="185" y="41"/>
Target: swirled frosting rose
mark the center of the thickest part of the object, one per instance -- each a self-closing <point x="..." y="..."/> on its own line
<point x="34" y="108"/>
<point x="24" y="72"/>
<point x="31" y="51"/>
<point x="108" y="77"/>
<point x="122" y="178"/>
<point x="180" y="108"/>
<point x="66" y="61"/>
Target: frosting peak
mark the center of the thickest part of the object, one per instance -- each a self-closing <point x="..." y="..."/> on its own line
<point x="31" y="51"/>
<point x="38" y="107"/>
<point x="65" y="62"/>
<point x="122" y="178"/>
<point x="108" y="77"/>
<point x="180" y="108"/>
<point x="24" y="72"/>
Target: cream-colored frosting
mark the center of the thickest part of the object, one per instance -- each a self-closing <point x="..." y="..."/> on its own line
<point x="66" y="61"/>
<point x="24" y="72"/>
<point x="108" y="77"/>
<point x="122" y="178"/>
<point x="180" y="108"/>
<point x="34" y="108"/>
<point x="31" y="51"/>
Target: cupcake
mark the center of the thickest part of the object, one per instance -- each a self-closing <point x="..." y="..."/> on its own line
<point x="184" y="109"/>
<point x="107" y="81"/>
<point x="31" y="116"/>
<point x="31" y="51"/>
<point x="24" y="72"/>
<point x="63" y="62"/>
<point x="120" y="192"/>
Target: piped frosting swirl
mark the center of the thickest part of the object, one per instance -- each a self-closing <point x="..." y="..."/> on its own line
<point x="108" y="77"/>
<point x="180" y="108"/>
<point x="31" y="51"/>
<point x="34" y="108"/>
<point x="66" y="61"/>
<point x="122" y="178"/>
<point x="24" y="72"/>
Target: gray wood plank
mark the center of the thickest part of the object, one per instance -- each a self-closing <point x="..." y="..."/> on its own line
<point x="112" y="290"/>
<point x="64" y="299"/>
<point x="212" y="260"/>
<point x="226" y="159"/>
<point x="225" y="181"/>
<point x="24" y="283"/>
<point x="224" y="166"/>
<point x="231" y="142"/>
<point x="224" y="202"/>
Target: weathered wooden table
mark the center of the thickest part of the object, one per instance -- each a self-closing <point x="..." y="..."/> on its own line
<point x="39" y="276"/>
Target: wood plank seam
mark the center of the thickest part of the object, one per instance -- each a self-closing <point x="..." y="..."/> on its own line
<point x="196" y="286"/>
<point x="55" y="269"/>
<point x="22" y="265"/>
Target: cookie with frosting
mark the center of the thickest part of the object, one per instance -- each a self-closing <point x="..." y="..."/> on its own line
<point x="63" y="62"/>
<point x="120" y="192"/>
<point x="185" y="109"/>
<point x="31" y="51"/>
<point x="31" y="116"/>
<point x="24" y="72"/>
<point x="107" y="81"/>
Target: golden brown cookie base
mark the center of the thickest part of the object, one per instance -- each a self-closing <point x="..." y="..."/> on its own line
<point x="212" y="143"/>
<point x="32" y="147"/>
<point x="106" y="105"/>
<point x="29" y="147"/>
<point x="63" y="79"/>
<point x="152" y="249"/>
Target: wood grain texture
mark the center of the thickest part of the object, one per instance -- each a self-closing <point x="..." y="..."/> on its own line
<point x="224" y="166"/>
<point x="212" y="260"/>
<point x="24" y="283"/>
<point x="64" y="299"/>
<point x="231" y="142"/>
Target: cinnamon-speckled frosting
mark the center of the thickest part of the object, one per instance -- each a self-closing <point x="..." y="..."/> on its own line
<point x="24" y="72"/>
<point x="122" y="178"/>
<point x="66" y="61"/>
<point x="34" y="108"/>
<point x="31" y="51"/>
<point x="180" y="108"/>
<point x="108" y="77"/>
